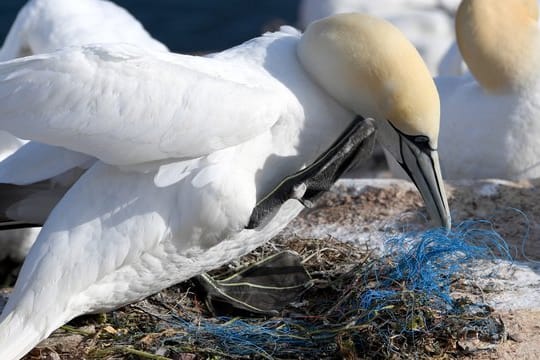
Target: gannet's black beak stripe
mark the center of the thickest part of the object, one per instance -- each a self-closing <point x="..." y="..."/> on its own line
<point x="421" y="162"/>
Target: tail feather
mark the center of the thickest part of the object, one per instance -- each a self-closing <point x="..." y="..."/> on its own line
<point x="27" y="205"/>
<point x="13" y="224"/>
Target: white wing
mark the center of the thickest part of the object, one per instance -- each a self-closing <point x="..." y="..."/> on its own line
<point x="125" y="105"/>
<point x="8" y="144"/>
<point x="44" y="26"/>
<point x="101" y="21"/>
<point x="35" y="162"/>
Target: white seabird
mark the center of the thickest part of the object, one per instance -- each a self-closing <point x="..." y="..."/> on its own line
<point x="493" y="114"/>
<point x="189" y="145"/>
<point x="43" y="26"/>
<point x="452" y="63"/>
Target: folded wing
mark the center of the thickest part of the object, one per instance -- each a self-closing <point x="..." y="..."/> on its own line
<point x="125" y="105"/>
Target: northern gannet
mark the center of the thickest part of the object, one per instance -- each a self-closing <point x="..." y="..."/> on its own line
<point x="493" y="114"/>
<point x="428" y="24"/>
<point x="188" y="146"/>
<point x="452" y="63"/>
<point x="43" y="26"/>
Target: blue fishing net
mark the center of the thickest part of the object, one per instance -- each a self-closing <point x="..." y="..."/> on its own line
<point x="425" y="262"/>
<point x="398" y="304"/>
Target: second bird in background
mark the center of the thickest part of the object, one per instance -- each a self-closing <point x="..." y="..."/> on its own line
<point x="490" y="121"/>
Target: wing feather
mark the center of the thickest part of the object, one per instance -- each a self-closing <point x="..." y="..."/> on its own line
<point x="35" y="162"/>
<point x="125" y="105"/>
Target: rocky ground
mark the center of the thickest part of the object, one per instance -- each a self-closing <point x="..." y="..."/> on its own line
<point x="346" y="227"/>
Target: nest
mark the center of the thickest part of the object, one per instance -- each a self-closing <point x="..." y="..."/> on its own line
<point x="396" y="306"/>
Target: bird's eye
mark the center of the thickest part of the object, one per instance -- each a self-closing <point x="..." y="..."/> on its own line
<point x="423" y="143"/>
<point x="421" y="139"/>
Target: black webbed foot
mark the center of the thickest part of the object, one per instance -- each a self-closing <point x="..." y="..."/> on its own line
<point x="353" y="146"/>
<point x="265" y="287"/>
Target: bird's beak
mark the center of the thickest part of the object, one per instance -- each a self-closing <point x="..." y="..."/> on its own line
<point x="422" y="164"/>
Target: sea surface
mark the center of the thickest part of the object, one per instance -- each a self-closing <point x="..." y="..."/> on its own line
<point x="193" y="25"/>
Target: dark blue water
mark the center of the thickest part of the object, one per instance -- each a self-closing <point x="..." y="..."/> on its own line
<point x="193" y="25"/>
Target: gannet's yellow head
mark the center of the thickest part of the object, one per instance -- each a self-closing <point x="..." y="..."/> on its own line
<point x="369" y="67"/>
<point x="498" y="40"/>
<point x="532" y="8"/>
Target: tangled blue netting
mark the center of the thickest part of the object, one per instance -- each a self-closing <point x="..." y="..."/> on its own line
<point x="419" y="264"/>
<point x="245" y="337"/>
<point x="425" y="262"/>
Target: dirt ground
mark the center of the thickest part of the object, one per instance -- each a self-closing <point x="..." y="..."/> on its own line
<point x="523" y="328"/>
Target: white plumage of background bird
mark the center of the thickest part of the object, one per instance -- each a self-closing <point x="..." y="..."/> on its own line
<point x="489" y="115"/>
<point x="188" y="145"/>
<point x="452" y="63"/>
<point x="43" y="26"/>
<point x="493" y="114"/>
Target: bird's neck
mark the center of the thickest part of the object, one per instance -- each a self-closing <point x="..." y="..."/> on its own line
<point x="499" y="40"/>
